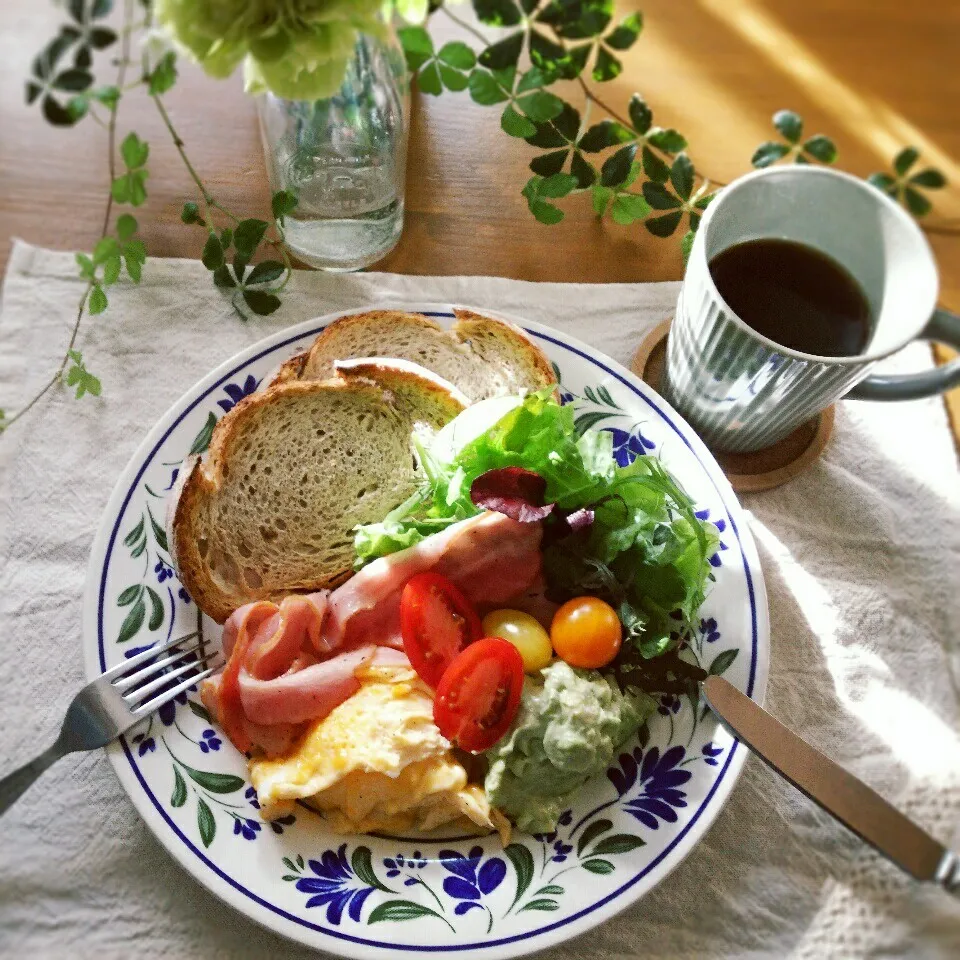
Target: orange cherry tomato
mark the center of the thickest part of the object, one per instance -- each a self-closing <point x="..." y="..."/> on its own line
<point x="479" y="694"/>
<point x="586" y="632"/>
<point x="436" y="622"/>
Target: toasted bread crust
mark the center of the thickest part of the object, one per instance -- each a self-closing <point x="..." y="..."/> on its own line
<point x="319" y="358"/>
<point x="469" y="324"/>
<point x="291" y="369"/>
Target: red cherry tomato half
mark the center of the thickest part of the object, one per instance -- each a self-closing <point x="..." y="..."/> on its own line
<point x="436" y="622"/>
<point x="479" y="694"/>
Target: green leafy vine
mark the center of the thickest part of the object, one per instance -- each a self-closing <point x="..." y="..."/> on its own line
<point x="633" y="170"/>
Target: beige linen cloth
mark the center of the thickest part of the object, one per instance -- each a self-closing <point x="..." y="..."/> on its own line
<point x="862" y="563"/>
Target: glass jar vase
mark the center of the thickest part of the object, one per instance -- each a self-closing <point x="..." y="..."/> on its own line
<point x="345" y="159"/>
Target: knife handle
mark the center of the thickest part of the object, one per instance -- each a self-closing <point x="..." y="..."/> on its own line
<point x="857" y="806"/>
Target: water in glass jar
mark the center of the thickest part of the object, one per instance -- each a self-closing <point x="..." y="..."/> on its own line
<point x="345" y="159"/>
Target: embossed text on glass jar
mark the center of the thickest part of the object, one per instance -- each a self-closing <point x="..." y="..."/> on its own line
<point x="345" y="159"/>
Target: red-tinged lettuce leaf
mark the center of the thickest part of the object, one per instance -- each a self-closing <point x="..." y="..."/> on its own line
<point x="513" y="491"/>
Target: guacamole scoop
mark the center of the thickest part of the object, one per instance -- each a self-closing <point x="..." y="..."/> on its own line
<point x="568" y="728"/>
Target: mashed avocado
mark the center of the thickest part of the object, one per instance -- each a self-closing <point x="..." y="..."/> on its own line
<point x="568" y="728"/>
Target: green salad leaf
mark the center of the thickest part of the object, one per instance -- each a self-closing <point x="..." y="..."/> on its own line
<point x="645" y="552"/>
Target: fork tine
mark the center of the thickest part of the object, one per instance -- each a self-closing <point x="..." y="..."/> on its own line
<point x="168" y="695"/>
<point x="126" y="682"/>
<point x="122" y="668"/>
<point x="141" y="693"/>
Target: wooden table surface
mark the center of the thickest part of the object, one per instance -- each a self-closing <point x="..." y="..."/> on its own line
<point x="873" y="74"/>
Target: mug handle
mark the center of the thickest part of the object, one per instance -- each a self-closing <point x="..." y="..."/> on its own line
<point x="944" y="327"/>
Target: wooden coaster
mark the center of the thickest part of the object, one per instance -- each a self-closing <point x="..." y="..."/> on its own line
<point x="747" y="472"/>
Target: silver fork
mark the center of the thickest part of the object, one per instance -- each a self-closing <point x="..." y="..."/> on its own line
<point x="115" y="701"/>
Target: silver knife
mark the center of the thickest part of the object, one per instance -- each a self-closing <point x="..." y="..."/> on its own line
<point x="842" y="795"/>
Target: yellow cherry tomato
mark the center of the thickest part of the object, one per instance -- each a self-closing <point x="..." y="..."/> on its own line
<point x="524" y="632"/>
<point x="586" y="632"/>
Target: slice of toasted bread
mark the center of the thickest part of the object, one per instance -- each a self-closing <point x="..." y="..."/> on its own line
<point x="480" y="356"/>
<point x="290" y="472"/>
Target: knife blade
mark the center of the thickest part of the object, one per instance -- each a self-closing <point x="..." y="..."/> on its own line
<point x="857" y="806"/>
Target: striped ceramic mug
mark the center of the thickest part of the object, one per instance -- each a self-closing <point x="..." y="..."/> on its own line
<point x="742" y="391"/>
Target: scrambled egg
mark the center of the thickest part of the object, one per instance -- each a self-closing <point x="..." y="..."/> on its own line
<point x="377" y="763"/>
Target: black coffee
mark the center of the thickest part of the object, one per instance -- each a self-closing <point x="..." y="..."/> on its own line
<point x="794" y="295"/>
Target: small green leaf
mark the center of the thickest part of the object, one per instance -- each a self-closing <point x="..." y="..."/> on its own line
<point x="202" y="440"/>
<point x="126" y="226"/>
<point x="504" y="54"/>
<point x="179" y="797"/>
<point x="606" y="67"/>
<point x="641" y="116"/>
<point x="87" y="269"/>
<point x="399" y="910"/>
<point x="591" y="833"/>
<point x="261" y="302"/>
<point x="222" y="277"/>
<point x="522" y="860"/>
<point x="540" y="106"/>
<point x="769" y="153"/>
<point x="111" y="270"/>
<point x="516" y="124"/>
<point x="158" y="532"/>
<point x="199" y="710"/>
<point x="417" y="46"/>
<point x="497" y="13"/>
<point x="484" y="88"/>
<point x="629" y="207"/>
<point x="190" y="213"/>
<point x="131" y="593"/>
<point x="722" y="662"/>
<point x="668" y="140"/>
<point x="655" y="168"/>
<point x="164" y="75"/>
<point x="601" y="198"/>
<point x="657" y="195"/>
<point x="226" y="238"/>
<point x="883" y="181"/>
<point x="156" y="609"/>
<point x="457" y="54"/>
<point x="452" y="79"/>
<point x="551" y="888"/>
<point x="282" y="203"/>
<point x="607" y="133"/>
<point x="73" y="80"/>
<point x="288" y="863"/>
<point x="618" y="843"/>
<point x="681" y="176"/>
<point x="626" y="34"/>
<point x="544" y="904"/>
<point x="686" y="245"/>
<point x="97" y="302"/>
<point x="547" y="164"/>
<point x="821" y="148"/>
<point x="362" y="863"/>
<point x="916" y="202"/>
<point x="663" y="226"/>
<point x="248" y="234"/>
<point x="789" y="124"/>
<point x="559" y="185"/>
<point x="584" y="171"/>
<point x="429" y="79"/>
<point x="106" y="247"/>
<point x="108" y="96"/>
<point x="205" y="822"/>
<point x="616" y="168"/>
<point x="266" y="272"/>
<point x="134" y="151"/>
<point x="930" y="178"/>
<point x="600" y="867"/>
<point x="133" y="621"/>
<point x="212" y="257"/>
<point x="533" y="79"/>
<point x="905" y="159"/>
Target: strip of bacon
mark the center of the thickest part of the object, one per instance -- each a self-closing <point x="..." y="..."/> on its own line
<point x="491" y="558"/>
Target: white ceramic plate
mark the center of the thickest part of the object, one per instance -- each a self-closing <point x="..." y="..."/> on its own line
<point x="368" y="896"/>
